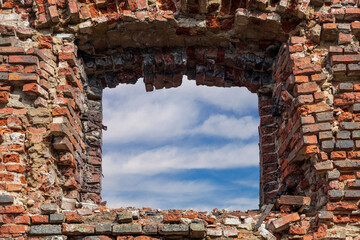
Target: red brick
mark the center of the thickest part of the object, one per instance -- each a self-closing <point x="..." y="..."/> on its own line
<point x="336" y="155"/>
<point x="54" y="16"/>
<point x="12" y="209"/>
<point x="297" y="40"/>
<point x="14" y="187"/>
<point x="26" y="77"/>
<point x="39" y="219"/>
<point x="17" y="229"/>
<point x="172" y="218"/>
<point x="12" y="50"/>
<point x="345" y="58"/>
<point x="73" y="218"/>
<point x="344" y="38"/>
<point x="329" y="26"/>
<point x="283" y="222"/>
<point x="67" y="56"/>
<point x="305" y="88"/>
<point x="11" y="158"/>
<point x="25" y="219"/>
<point x="25" y="59"/>
<point x="341" y="218"/>
<point x="34" y="89"/>
<point x="4" y="97"/>
<point x="301" y="79"/>
<point x="341" y="206"/>
<point x="15" y="168"/>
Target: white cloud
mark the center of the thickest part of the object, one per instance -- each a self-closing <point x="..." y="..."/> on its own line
<point x="167" y="159"/>
<point x="248" y="183"/>
<point x="242" y="203"/>
<point x="132" y="115"/>
<point x="229" y="127"/>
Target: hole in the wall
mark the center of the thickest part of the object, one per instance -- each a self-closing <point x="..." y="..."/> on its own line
<point x="189" y="147"/>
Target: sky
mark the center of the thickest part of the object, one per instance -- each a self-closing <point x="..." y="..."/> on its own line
<point x="180" y="148"/>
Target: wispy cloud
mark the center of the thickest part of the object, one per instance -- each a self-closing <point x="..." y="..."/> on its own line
<point x="134" y="115"/>
<point x="161" y="131"/>
<point x="167" y="159"/>
<point x="248" y="183"/>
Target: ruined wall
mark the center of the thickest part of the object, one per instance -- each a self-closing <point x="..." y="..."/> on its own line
<point x="302" y="58"/>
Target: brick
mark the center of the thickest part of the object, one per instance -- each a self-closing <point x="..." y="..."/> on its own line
<point x="344" y="38"/>
<point x="352" y="13"/>
<point x="11" y="158"/>
<point x="4" y="97"/>
<point x="353" y="69"/>
<point x="172" y="218"/>
<point x="341" y="218"/>
<point x="324" y="166"/>
<point x="347" y="164"/>
<point x="78" y="229"/>
<point x="73" y="217"/>
<point x="350" y="125"/>
<point x="103" y="228"/>
<point x="335" y="194"/>
<point x="197" y="230"/>
<point x="67" y="56"/>
<point x="283" y="222"/>
<point x="45" y="229"/>
<point x="352" y="194"/>
<point x="24" y="219"/>
<point x="23" y="59"/>
<point x="305" y="88"/>
<point x="127" y="229"/>
<point x="24" y="77"/>
<point x="15" y="168"/>
<point x="14" y="187"/>
<point x="54" y="16"/>
<point x="333" y="175"/>
<point x="341" y="206"/>
<point x="12" y="50"/>
<point x="124" y="217"/>
<point x="12" y="210"/>
<point x="324" y="117"/>
<point x="39" y="219"/>
<point x="325" y="215"/>
<point x="48" y="208"/>
<point x="34" y="89"/>
<point x="338" y="155"/>
<point x="346" y="87"/>
<point x="313" y="128"/>
<point x="6" y="199"/>
<point x="328" y="145"/>
<point x="294" y="200"/>
<point x="345" y="58"/>
<point x="345" y="144"/>
<point x="56" y="218"/>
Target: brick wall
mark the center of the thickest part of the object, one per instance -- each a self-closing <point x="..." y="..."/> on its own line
<point x="302" y="59"/>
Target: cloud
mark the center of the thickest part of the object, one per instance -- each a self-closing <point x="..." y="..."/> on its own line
<point x="248" y="183"/>
<point x="242" y="203"/>
<point x="229" y="127"/>
<point x="132" y="115"/>
<point x="167" y="159"/>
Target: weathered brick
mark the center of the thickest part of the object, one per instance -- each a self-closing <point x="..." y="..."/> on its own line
<point x="124" y="217"/>
<point x="120" y="229"/>
<point x="283" y="222"/>
<point x="24" y="77"/>
<point x="324" y="166"/>
<point x="78" y="229"/>
<point x="45" y="229"/>
<point x="174" y="229"/>
<point x="103" y="228"/>
<point x="23" y="59"/>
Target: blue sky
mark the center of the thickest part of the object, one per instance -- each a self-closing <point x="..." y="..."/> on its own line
<point x="186" y="147"/>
